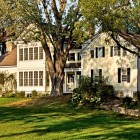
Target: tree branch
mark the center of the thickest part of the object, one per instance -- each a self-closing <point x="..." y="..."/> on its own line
<point x="118" y="43"/>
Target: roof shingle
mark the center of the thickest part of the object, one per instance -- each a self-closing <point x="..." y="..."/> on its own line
<point x="9" y="59"/>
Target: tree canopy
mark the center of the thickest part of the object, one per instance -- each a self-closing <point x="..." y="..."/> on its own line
<point x="120" y="17"/>
<point x="52" y="22"/>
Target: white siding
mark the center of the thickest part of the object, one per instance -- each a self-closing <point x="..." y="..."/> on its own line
<point x="110" y="65"/>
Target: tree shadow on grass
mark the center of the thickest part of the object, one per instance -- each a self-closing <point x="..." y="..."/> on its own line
<point x="78" y="121"/>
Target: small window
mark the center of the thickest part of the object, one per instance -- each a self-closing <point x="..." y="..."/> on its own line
<point x="20" y="78"/>
<point x="71" y="57"/>
<point x="20" y="54"/>
<point x="30" y="53"/>
<point x="96" y="75"/>
<point x="35" y="78"/>
<point x="30" y="78"/>
<point x="36" y="53"/>
<point x="40" y="78"/>
<point x="92" y="53"/>
<point x="123" y="75"/>
<point x="117" y="51"/>
<point x="25" y="78"/>
<point x="100" y="52"/>
<point x="40" y="52"/>
<point x="26" y="54"/>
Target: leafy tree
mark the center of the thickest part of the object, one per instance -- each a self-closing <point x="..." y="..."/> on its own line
<point x="52" y="22"/>
<point x="119" y="17"/>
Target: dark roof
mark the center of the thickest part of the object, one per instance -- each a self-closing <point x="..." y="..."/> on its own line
<point x="9" y="58"/>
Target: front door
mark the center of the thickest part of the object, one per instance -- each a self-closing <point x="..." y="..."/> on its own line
<point x="70" y="82"/>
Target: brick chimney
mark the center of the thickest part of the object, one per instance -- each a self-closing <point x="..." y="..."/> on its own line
<point x="9" y="46"/>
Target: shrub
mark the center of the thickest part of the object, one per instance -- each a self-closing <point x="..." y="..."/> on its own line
<point x="76" y="96"/>
<point x="34" y="94"/>
<point x="20" y="94"/>
<point x="90" y="91"/>
<point x="127" y="101"/>
<point x="9" y="94"/>
<point x="105" y="92"/>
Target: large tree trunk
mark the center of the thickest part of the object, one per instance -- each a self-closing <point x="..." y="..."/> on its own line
<point x="57" y="78"/>
<point x="57" y="85"/>
<point x="56" y="66"/>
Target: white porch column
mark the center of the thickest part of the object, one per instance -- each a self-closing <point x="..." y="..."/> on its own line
<point x="65" y="83"/>
<point x="75" y="79"/>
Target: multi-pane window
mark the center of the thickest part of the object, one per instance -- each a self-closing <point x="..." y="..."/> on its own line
<point x="96" y="75"/>
<point x="71" y="57"/>
<point x="31" y="78"/>
<point x="99" y="52"/>
<point x="30" y="53"/>
<point x="20" y="78"/>
<point x="35" y="78"/>
<point x="40" y="53"/>
<point x="40" y="78"/>
<point x="123" y="75"/>
<point x="20" y="54"/>
<point x="35" y="53"/>
<point x="26" y="54"/>
<point x="25" y="78"/>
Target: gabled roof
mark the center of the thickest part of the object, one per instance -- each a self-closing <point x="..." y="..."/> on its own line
<point x="87" y="44"/>
<point x="9" y="59"/>
<point x="133" y="39"/>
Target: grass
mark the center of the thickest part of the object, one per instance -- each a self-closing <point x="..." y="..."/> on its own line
<point x="54" y="119"/>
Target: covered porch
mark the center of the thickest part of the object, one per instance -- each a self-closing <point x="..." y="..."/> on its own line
<point x="71" y="79"/>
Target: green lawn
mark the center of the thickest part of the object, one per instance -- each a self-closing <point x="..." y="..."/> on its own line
<point x="56" y="120"/>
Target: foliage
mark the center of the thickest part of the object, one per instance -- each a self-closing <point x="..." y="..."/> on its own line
<point x="119" y="17"/>
<point x="20" y="94"/>
<point x="94" y="92"/>
<point x="9" y="94"/>
<point x="34" y="94"/>
<point x="128" y="102"/>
